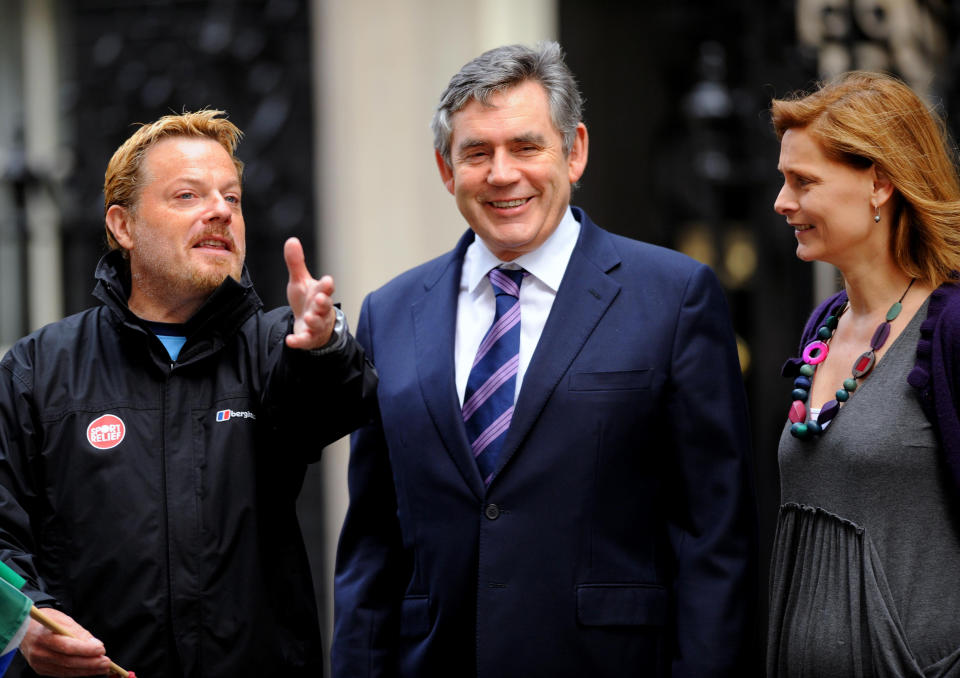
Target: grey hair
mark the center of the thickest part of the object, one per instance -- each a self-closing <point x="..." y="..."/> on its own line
<point x="498" y="69"/>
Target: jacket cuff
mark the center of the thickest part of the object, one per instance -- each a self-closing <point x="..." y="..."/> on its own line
<point x="338" y="338"/>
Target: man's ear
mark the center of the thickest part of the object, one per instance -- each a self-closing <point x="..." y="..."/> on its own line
<point x="577" y="158"/>
<point x="446" y="172"/>
<point x="118" y="221"/>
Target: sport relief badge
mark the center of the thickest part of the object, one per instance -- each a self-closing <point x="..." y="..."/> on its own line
<point x="106" y="432"/>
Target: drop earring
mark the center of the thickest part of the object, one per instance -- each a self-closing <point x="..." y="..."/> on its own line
<point x="876" y="217"/>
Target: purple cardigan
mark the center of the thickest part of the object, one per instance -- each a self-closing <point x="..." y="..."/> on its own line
<point x="935" y="374"/>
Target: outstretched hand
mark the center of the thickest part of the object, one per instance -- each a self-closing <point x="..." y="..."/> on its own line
<point x="50" y="654"/>
<point x="310" y="299"/>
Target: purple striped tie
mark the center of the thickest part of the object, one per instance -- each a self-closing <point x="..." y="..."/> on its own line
<point x="488" y="400"/>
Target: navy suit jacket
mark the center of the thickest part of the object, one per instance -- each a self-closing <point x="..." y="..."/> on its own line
<point x="617" y="537"/>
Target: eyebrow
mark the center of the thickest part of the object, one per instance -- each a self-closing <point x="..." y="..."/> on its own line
<point x="470" y="143"/>
<point x="197" y="179"/>
<point x="529" y="137"/>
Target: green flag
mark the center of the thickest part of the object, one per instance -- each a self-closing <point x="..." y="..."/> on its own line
<point x="9" y="575"/>
<point x="14" y="615"/>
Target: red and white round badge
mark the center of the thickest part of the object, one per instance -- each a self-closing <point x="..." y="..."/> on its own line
<point x="106" y="432"/>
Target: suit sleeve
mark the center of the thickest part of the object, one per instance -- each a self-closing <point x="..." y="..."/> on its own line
<point x="371" y="566"/>
<point x="713" y="519"/>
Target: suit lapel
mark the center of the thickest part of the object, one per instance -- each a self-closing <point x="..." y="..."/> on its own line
<point x="434" y="325"/>
<point x="584" y="296"/>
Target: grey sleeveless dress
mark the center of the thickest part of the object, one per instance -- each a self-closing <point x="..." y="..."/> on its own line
<point x="865" y="575"/>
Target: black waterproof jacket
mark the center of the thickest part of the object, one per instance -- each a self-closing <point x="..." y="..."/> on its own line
<point x="154" y="502"/>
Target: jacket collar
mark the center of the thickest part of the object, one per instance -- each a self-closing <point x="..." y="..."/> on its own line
<point x="585" y="293"/>
<point x="217" y="318"/>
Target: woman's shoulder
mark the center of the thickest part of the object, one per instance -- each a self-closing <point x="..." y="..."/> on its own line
<point x="943" y="313"/>
<point x="939" y="334"/>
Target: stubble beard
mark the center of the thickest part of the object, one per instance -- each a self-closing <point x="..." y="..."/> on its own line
<point x="206" y="279"/>
<point x="170" y="285"/>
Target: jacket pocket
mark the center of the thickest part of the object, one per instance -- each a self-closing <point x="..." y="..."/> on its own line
<point x="621" y="604"/>
<point x="414" y="616"/>
<point x="629" y="380"/>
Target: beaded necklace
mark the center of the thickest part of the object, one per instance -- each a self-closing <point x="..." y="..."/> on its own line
<point x="816" y="352"/>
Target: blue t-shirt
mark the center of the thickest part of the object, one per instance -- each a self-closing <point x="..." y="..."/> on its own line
<point x="170" y="335"/>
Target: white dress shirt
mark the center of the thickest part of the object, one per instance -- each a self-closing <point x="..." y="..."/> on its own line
<point x="476" y="304"/>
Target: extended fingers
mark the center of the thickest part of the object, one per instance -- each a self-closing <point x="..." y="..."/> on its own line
<point x="314" y="328"/>
<point x="310" y="299"/>
<point x="321" y="302"/>
<point x="296" y="264"/>
<point x="318" y="301"/>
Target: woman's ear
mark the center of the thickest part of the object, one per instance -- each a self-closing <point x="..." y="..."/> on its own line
<point x="882" y="188"/>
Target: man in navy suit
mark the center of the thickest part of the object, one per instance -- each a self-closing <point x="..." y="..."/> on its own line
<point x="599" y="521"/>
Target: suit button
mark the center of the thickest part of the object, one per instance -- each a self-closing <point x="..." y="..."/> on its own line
<point x="491" y="511"/>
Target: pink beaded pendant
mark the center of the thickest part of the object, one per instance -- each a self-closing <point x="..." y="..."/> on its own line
<point x="815" y="352"/>
<point x="798" y="412"/>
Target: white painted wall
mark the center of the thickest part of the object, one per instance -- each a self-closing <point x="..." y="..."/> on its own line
<point x="41" y="101"/>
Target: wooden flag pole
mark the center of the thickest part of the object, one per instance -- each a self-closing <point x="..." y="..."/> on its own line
<point x="61" y="630"/>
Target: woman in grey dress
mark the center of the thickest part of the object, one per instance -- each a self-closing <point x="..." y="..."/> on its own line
<point x="865" y="576"/>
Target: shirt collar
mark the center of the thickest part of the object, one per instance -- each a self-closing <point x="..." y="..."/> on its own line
<point x="547" y="263"/>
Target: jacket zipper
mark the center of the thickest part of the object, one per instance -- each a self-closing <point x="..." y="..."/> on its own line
<point x="166" y="508"/>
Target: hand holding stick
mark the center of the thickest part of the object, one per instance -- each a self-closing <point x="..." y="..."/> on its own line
<point x="61" y="630"/>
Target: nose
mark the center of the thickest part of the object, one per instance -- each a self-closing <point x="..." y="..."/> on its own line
<point x="503" y="171"/>
<point x="785" y="202"/>
<point x="220" y="209"/>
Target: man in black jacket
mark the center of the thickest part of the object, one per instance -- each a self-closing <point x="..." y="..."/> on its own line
<point x="152" y="448"/>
